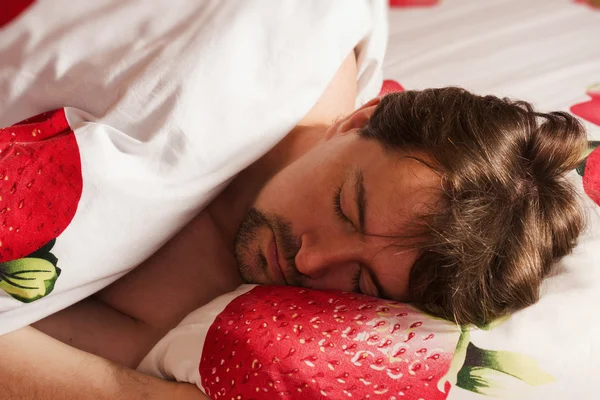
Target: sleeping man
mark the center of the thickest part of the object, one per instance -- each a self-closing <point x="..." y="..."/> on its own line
<point x="451" y="201"/>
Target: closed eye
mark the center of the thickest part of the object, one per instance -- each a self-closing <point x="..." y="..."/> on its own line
<point x="356" y="281"/>
<point x="363" y="277"/>
<point x="337" y="206"/>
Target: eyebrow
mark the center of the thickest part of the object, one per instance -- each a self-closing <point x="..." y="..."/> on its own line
<point x="361" y="199"/>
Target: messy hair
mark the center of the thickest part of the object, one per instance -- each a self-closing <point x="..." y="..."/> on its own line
<point x="506" y="213"/>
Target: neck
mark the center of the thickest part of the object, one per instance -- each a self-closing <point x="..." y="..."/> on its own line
<point x="230" y="207"/>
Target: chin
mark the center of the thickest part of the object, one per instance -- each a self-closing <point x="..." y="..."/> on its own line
<point x="249" y="266"/>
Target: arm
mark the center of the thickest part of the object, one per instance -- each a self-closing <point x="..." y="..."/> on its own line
<point x="176" y="265"/>
<point x="124" y="321"/>
<point x="92" y="326"/>
<point x="37" y="367"/>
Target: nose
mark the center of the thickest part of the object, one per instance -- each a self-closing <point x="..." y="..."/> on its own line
<point x="334" y="257"/>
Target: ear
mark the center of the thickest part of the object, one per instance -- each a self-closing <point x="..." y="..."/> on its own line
<point x="353" y="121"/>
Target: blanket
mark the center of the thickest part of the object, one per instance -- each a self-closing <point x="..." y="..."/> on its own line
<point x="135" y="114"/>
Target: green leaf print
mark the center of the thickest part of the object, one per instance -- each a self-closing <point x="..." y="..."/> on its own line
<point x="28" y="279"/>
<point x="44" y="253"/>
<point x="592" y="145"/>
<point x="490" y="382"/>
<point x="503" y="374"/>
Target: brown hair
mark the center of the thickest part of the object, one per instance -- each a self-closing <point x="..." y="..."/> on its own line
<point x="507" y="212"/>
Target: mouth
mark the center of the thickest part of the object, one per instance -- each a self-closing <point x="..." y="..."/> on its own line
<point x="275" y="269"/>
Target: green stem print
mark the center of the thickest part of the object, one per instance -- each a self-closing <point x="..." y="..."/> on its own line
<point x="501" y="374"/>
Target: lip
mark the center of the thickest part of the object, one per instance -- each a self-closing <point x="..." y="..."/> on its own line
<point x="273" y="262"/>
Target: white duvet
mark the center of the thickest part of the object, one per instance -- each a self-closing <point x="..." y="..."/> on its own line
<point x="168" y="100"/>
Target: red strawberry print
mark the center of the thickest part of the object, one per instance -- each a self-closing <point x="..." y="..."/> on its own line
<point x="390" y="86"/>
<point x="591" y="3"/>
<point x="40" y="183"/>
<point x="589" y="110"/>
<point x="413" y="3"/>
<point x="11" y="9"/>
<point x="591" y="176"/>
<point x="293" y="343"/>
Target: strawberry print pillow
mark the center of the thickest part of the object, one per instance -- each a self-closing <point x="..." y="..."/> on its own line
<point x="267" y="342"/>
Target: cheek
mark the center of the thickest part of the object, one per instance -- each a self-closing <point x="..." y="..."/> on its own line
<point x="394" y="271"/>
<point x="299" y="189"/>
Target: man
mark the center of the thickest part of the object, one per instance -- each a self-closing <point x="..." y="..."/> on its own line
<point x="449" y="200"/>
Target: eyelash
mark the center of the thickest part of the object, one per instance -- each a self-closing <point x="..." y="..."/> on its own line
<point x="337" y="206"/>
<point x="356" y="281"/>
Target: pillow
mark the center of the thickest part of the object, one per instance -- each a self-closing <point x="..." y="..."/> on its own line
<point x="268" y="342"/>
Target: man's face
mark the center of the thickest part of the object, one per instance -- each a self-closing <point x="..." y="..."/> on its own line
<point x="333" y="219"/>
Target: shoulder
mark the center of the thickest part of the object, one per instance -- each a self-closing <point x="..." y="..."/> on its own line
<point x="339" y="97"/>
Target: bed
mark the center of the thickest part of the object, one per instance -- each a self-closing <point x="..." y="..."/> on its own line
<point x="543" y="51"/>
